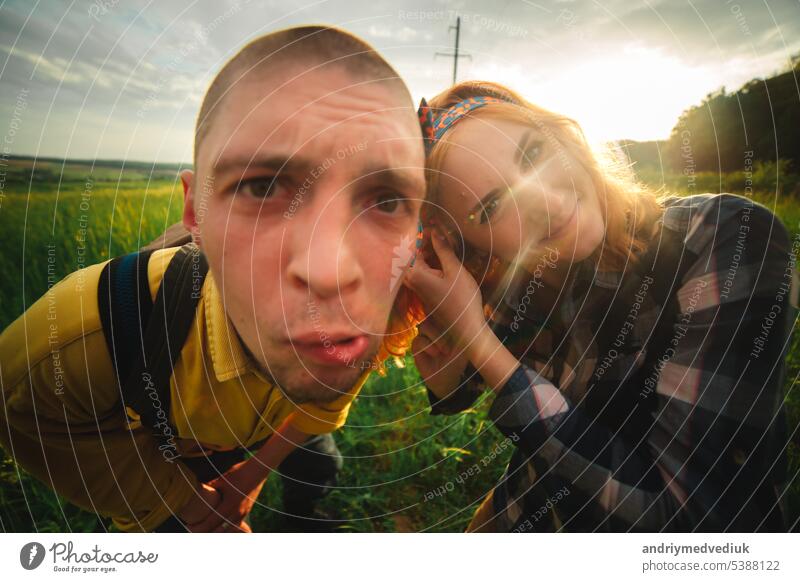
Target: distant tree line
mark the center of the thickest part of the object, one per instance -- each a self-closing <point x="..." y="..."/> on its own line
<point x="757" y="126"/>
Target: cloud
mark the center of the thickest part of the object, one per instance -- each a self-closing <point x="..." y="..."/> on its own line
<point x="401" y="34"/>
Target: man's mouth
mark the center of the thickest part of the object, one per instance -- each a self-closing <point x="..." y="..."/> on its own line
<point x="331" y="349"/>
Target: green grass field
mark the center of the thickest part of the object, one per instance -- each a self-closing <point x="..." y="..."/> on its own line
<point x="395" y="452"/>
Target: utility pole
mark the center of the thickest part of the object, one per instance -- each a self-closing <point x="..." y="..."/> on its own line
<point x="455" y="54"/>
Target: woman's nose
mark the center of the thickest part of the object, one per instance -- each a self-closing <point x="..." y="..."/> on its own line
<point x="543" y="203"/>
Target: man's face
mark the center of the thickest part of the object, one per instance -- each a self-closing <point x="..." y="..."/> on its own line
<point x="302" y="198"/>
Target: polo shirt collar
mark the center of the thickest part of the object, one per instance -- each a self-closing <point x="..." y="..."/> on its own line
<point x="228" y="356"/>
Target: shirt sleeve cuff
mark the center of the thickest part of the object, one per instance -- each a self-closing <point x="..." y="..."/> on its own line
<point x="468" y="390"/>
<point x="527" y="407"/>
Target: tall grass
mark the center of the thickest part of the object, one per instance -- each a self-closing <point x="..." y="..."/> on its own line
<point x="48" y="230"/>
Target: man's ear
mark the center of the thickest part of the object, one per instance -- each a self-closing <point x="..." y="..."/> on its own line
<point x="189" y="216"/>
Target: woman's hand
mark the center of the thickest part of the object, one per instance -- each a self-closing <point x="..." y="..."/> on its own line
<point x="453" y="300"/>
<point x="439" y="363"/>
<point x="451" y="296"/>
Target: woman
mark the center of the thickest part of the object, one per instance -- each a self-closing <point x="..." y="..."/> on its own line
<point x="635" y="344"/>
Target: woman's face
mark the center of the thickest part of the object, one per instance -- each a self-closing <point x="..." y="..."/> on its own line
<point x="518" y="194"/>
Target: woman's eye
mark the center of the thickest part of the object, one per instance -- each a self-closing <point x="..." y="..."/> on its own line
<point x="530" y="155"/>
<point x="489" y="209"/>
<point x="265" y="187"/>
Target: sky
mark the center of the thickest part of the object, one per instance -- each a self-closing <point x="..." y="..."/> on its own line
<point x="123" y="79"/>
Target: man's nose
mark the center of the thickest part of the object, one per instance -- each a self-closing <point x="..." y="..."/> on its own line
<point x="322" y="258"/>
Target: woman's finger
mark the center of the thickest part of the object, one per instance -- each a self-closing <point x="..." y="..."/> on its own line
<point x="422" y="266"/>
<point x="430" y="328"/>
<point x="423" y="279"/>
<point x="424" y="345"/>
<point x="448" y="258"/>
<point x="434" y="331"/>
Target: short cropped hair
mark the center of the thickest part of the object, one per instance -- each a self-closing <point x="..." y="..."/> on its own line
<point x="310" y="46"/>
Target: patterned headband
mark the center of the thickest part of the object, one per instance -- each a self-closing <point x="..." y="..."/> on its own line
<point x="434" y="129"/>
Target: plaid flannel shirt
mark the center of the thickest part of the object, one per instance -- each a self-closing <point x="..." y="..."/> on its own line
<point x="712" y="455"/>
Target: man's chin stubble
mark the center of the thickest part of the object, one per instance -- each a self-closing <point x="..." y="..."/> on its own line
<point x="309" y="388"/>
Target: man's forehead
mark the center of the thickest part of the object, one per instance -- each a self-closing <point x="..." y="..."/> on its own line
<point x="332" y="95"/>
<point x="329" y="115"/>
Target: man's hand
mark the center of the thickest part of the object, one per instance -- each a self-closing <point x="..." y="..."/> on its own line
<point x="198" y="507"/>
<point x="235" y="492"/>
<point x="238" y="490"/>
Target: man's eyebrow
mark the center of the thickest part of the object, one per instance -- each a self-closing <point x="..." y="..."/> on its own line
<point x="277" y="163"/>
<point x="521" y="146"/>
<point x="398" y="178"/>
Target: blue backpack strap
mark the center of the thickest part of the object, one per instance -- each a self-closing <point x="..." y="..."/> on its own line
<point x="145" y="337"/>
<point x="123" y="297"/>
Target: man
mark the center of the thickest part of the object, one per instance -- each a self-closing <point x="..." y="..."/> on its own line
<point x="308" y="174"/>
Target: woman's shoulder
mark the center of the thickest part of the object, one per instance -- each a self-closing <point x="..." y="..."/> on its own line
<point x="715" y="219"/>
<point x="715" y="208"/>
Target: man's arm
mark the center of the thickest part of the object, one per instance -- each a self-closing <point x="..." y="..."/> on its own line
<point x="240" y="486"/>
<point x="62" y="420"/>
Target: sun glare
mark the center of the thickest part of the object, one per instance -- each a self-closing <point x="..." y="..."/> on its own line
<point x="637" y="93"/>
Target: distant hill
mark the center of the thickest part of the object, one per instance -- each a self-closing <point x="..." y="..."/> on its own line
<point x="23" y="172"/>
<point x="129" y="164"/>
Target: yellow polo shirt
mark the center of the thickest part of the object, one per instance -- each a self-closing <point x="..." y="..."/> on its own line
<point x="61" y="416"/>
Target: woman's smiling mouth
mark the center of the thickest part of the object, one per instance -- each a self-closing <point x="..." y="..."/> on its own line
<point x="564" y="227"/>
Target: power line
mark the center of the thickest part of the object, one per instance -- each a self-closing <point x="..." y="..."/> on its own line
<point x="455" y="54"/>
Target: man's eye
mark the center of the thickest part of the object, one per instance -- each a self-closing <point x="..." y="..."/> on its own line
<point x="388" y="202"/>
<point x="265" y="187"/>
<point x="530" y="155"/>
